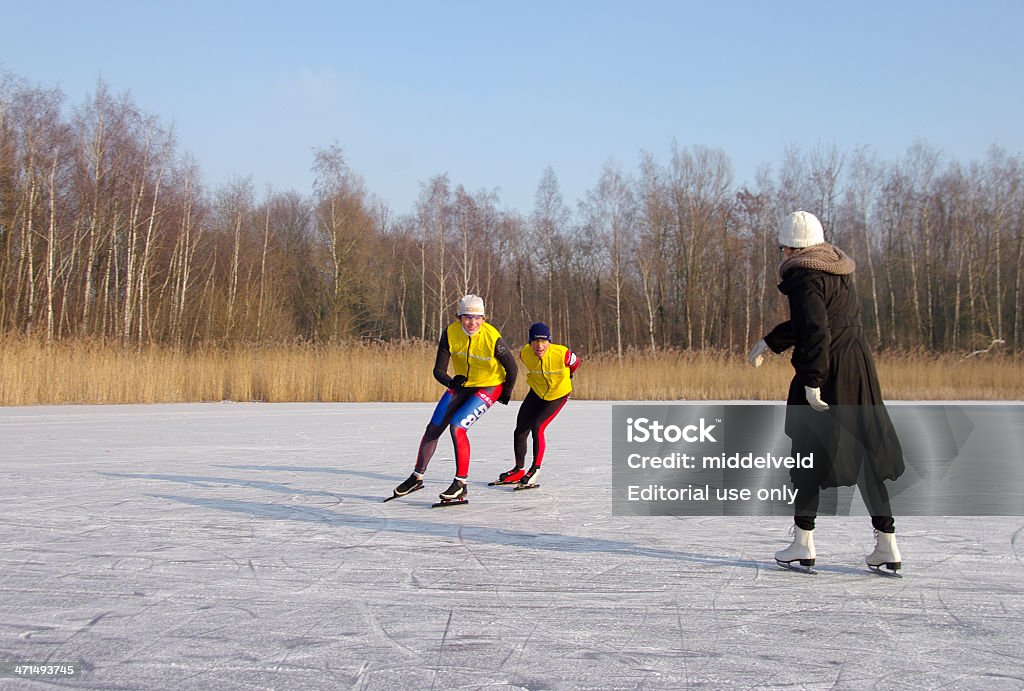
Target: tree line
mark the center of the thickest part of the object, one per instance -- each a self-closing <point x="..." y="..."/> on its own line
<point x="108" y="233"/>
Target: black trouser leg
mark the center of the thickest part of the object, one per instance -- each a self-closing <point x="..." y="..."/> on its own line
<point x="874" y="493"/>
<point x="876" y="498"/>
<point x="805" y="504"/>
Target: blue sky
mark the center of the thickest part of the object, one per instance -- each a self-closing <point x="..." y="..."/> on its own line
<point x="492" y="93"/>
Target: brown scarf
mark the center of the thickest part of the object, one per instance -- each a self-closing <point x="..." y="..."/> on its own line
<point x="821" y="257"/>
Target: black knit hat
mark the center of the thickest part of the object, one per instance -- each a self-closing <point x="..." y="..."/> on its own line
<point x="540" y="330"/>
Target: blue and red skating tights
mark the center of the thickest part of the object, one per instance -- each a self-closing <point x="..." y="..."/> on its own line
<point x="458" y="409"/>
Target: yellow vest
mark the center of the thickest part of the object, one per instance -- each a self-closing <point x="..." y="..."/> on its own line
<point x="547" y="376"/>
<point x="473" y="357"/>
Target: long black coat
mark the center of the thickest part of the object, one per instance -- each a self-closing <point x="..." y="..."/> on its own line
<point x="830" y="352"/>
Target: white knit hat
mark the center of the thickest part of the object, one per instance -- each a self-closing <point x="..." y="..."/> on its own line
<point x="800" y="229"/>
<point x="472" y="305"/>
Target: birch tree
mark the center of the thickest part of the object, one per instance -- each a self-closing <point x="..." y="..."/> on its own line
<point x="610" y="213"/>
<point x="548" y="225"/>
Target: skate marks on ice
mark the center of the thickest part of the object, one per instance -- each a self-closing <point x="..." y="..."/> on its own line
<point x="175" y="553"/>
<point x="1017" y="544"/>
<point x="296" y="494"/>
<point x="474" y="533"/>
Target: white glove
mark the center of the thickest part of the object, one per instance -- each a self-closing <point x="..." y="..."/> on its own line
<point x="814" y="398"/>
<point x="756" y="355"/>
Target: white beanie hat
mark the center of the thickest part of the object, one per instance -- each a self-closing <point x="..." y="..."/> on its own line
<point x="800" y="229"/>
<point x="471" y="304"/>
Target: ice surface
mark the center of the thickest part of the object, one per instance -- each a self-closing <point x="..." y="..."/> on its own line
<point x="245" y="546"/>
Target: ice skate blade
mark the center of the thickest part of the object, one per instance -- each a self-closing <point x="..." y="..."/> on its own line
<point x="453" y="502"/>
<point x="501" y="482"/>
<point x="798" y="567"/>
<point x="519" y="488"/>
<point x="885" y="571"/>
<point x="399" y="496"/>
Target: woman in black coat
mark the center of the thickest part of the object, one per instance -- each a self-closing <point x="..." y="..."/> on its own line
<point x="834" y="407"/>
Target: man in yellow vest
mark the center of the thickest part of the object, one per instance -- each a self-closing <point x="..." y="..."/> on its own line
<point x="550" y="367"/>
<point x="484" y="372"/>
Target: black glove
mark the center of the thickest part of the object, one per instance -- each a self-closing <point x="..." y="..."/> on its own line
<point x="506" y="396"/>
<point x="457" y="381"/>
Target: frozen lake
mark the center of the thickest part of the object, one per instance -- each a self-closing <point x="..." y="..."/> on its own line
<point x="246" y="546"/>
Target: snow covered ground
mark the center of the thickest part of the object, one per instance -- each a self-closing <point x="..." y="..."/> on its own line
<point x="246" y="546"/>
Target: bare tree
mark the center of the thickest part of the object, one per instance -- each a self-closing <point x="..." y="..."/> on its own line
<point x="826" y="166"/>
<point x="611" y="213"/>
<point x="344" y="222"/>
<point x="548" y="224"/>
<point x="434" y="211"/>
<point x="865" y="177"/>
<point x="655" y="230"/>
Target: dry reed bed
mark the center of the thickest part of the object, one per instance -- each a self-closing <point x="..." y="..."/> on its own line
<point x="32" y="373"/>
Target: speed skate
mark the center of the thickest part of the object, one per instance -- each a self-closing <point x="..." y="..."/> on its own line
<point x="449" y="502"/>
<point x="529" y="479"/>
<point x="454" y="495"/>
